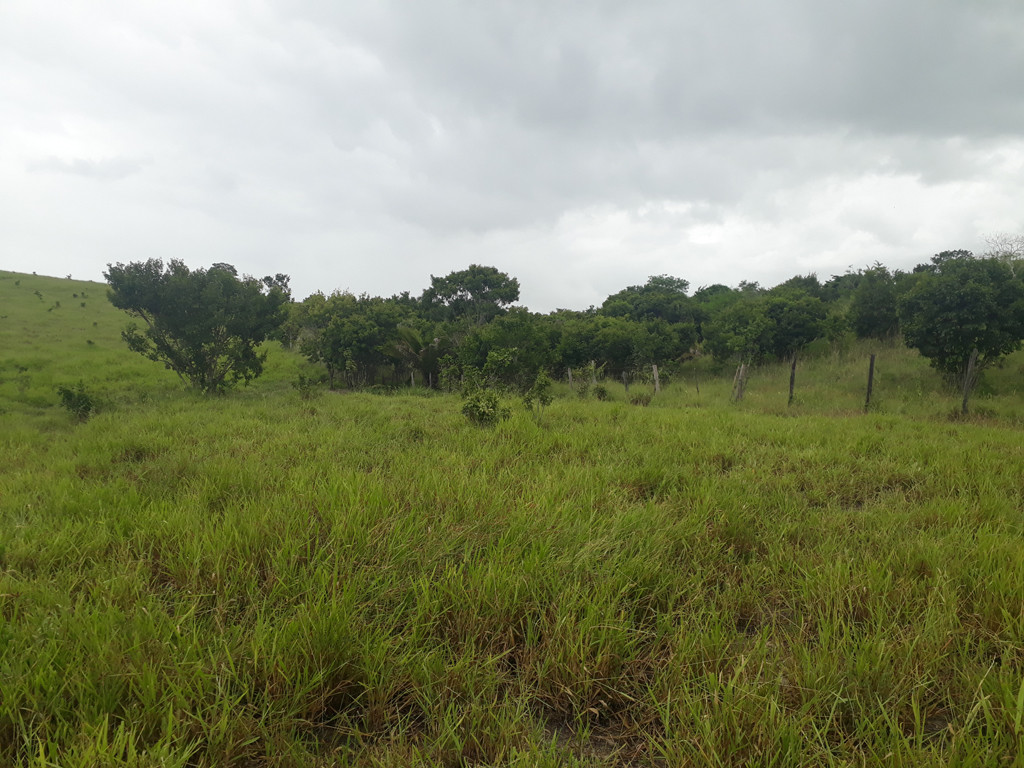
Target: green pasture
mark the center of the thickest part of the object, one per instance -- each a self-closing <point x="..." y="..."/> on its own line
<point x="366" y="580"/>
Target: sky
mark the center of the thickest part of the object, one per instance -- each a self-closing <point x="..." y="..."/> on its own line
<point x="578" y="146"/>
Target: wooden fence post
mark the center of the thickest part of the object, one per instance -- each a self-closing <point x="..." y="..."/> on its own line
<point x="657" y="382"/>
<point x="792" y="380"/>
<point x="625" y="382"/>
<point x="871" y="382"/>
<point x="570" y="377"/>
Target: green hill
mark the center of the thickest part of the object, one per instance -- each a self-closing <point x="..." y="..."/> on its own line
<point x="58" y="332"/>
<point x="263" y="580"/>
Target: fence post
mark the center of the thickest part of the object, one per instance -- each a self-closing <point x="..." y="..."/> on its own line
<point x="792" y="380"/>
<point x="657" y="382"/>
<point x="625" y="382"/>
<point x="871" y="382"/>
<point x="570" y="377"/>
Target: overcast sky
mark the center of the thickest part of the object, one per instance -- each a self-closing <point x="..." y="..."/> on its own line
<point x="579" y="146"/>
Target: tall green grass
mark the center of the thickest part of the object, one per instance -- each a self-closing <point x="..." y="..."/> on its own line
<point x="362" y="580"/>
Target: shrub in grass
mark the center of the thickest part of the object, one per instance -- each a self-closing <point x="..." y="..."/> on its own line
<point x="483" y="407"/>
<point x="600" y="392"/>
<point x="76" y="401"/>
<point x="308" y="387"/>
<point x="642" y="399"/>
<point x="539" y="395"/>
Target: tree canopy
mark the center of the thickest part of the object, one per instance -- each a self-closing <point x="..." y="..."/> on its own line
<point x="958" y="304"/>
<point x="204" y="325"/>
<point x="477" y="294"/>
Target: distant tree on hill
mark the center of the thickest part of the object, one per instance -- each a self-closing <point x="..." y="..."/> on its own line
<point x="962" y="307"/>
<point x="204" y="325"/>
<point x="477" y="294"/>
<point x="873" y="309"/>
<point x="663" y="297"/>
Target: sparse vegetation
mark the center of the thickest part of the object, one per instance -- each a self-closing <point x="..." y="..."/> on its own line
<point x="76" y="401"/>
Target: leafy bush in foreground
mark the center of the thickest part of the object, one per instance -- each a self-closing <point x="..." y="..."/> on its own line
<point x="483" y="407"/>
<point x="76" y="401"/>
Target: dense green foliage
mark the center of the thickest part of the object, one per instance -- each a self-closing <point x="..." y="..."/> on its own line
<point x="464" y="322"/>
<point x="267" y="580"/>
<point x="202" y="324"/>
<point x="959" y="304"/>
<point x="874" y="311"/>
<point x="476" y="294"/>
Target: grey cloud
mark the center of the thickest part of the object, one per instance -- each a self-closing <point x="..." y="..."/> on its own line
<point x="426" y="135"/>
<point x="106" y="169"/>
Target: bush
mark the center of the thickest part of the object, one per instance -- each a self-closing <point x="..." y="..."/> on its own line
<point x="77" y="401"/>
<point x="600" y="392"/>
<point x="483" y="407"/>
<point x="539" y="395"/>
<point x="643" y="399"/>
<point x="308" y="387"/>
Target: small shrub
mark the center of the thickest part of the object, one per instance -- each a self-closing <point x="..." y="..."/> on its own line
<point x="76" y="401"/>
<point x="308" y="387"/>
<point x="583" y="390"/>
<point x="539" y="396"/>
<point x="600" y="392"/>
<point x="483" y="407"/>
<point x="643" y="399"/>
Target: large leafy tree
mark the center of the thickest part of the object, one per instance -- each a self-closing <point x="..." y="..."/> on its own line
<point x="203" y="324"/>
<point x="353" y="336"/>
<point x="663" y="297"/>
<point x="873" y="305"/>
<point x="476" y="294"/>
<point x="771" y="325"/>
<point x="959" y="304"/>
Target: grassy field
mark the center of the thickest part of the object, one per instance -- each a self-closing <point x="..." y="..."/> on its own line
<point x="261" y="580"/>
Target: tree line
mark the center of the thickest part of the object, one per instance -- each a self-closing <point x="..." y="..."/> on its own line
<point x="963" y="312"/>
